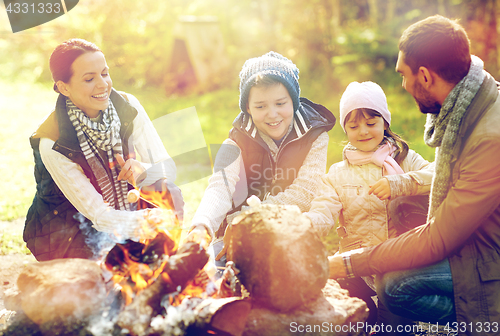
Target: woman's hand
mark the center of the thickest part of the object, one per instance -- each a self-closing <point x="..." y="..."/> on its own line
<point x="131" y="169"/>
<point x="337" y="267"/>
<point x="381" y="189"/>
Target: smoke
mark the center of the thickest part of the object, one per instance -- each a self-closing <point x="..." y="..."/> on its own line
<point x="99" y="242"/>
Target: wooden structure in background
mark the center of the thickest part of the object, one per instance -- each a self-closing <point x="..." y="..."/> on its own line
<point x="199" y="60"/>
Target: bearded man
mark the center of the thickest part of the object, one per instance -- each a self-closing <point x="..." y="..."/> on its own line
<point x="448" y="269"/>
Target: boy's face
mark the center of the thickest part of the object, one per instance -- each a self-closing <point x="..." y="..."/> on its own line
<point x="365" y="132"/>
<point x="271" y="108"/>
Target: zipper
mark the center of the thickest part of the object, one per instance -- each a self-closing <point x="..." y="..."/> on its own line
<point x="280" y="150"/>
<point x="353" y="186"/>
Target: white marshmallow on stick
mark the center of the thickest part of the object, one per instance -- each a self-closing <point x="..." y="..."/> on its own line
<point x="133" y="196"/>
<point x="253" y="201"/>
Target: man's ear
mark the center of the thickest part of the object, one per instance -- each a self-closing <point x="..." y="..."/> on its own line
<point x="425" y="77"/>
<point x="63" y="88"/>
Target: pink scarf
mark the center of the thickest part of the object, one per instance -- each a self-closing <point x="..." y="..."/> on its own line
<point x="381" y="157"/>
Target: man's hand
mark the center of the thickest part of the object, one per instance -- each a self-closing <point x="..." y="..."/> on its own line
<point x="131" y="169"/>
<point x="337" y="268"/>
<point x="381" y="189"/>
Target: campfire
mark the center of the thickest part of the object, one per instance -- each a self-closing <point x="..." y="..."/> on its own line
<point x="158" y="286"/>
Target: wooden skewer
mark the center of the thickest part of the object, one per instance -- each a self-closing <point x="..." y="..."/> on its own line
<point x="134" y="196"/>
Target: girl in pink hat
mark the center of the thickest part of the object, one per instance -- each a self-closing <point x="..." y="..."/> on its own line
<point x="368" y="190"/>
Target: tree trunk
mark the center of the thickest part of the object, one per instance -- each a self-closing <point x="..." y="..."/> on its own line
<point x="374" y="16"/>
<point x="391" y="8"/>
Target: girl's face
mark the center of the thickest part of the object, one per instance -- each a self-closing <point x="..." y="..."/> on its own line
<point x="363" y="131"/>
<point x="90" y="85"/>
<point x="271" y="108"/>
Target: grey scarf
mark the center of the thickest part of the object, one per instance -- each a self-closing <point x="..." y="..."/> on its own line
<point x="441" y="130"/>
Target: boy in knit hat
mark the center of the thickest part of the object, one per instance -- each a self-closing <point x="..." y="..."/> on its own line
<point x="276" y="150"/>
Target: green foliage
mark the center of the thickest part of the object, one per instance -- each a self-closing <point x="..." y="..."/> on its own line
<point x="329" y="40"/>
<point x="12" y="243"/>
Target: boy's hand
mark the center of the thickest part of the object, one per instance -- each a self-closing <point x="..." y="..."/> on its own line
<point x="131" y="169"/>
<point x="227" y="240"/>
<point x="197" y="234"/>
<point x="381" y="189"/>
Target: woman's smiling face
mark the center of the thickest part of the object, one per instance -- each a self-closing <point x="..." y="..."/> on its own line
<point x="271" y="108"/>
<point x="364" y="132"/>
<point x="90" y="85"/>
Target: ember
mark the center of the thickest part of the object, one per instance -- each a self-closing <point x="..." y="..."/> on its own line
<point x="155" y="266"/>
<point x="180" y="268"/>
<point x="137" y="265"/>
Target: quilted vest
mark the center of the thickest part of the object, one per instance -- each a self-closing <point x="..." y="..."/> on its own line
<point x="264" y="176"/>
<point x="54" y="228"/>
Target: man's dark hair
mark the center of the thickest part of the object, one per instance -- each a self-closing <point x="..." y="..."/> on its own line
<point x="439" y="44"/>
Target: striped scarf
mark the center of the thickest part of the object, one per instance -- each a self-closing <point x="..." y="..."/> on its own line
<point x="441" y="131"/>
<point x="102" y="135"/>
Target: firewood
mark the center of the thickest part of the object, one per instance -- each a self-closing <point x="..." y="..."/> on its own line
<point x="198" y="316"/>
<point x="181" y="267"/>
<point x="151" y="253"/>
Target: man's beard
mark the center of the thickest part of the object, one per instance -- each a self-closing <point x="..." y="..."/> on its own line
<point x="425" y="102"/>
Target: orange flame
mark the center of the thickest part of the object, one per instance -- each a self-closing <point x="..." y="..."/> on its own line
<point x="137" y="276"/>
<point x="165" y="220"/>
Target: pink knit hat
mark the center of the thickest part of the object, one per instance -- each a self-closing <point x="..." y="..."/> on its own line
<point x="363" y="95"/>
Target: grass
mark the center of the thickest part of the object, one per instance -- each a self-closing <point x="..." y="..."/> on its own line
<point x="24" y="105"/>
<point x="11" y="243"/>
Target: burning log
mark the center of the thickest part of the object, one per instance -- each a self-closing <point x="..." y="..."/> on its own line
<point x="197" y="316"/>
<point x="282" y="260"/>
<point x="180" y="268"/>
<point x="150" y="254"/>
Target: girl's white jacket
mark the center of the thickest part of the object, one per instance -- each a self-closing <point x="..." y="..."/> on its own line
<point x="363" y="219"/>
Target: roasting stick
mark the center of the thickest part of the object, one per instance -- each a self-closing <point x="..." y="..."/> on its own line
<point x="133" y="196"/>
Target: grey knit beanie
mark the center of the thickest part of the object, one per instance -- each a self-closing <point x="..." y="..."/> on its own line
<point x="273" y="65"/>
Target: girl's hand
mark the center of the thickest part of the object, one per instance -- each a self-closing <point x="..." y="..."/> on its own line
<point x="381" y="189"/>
<point x="131" y="169"/>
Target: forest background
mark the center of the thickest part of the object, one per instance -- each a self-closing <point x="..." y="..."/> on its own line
<point x="333" y="42"/>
